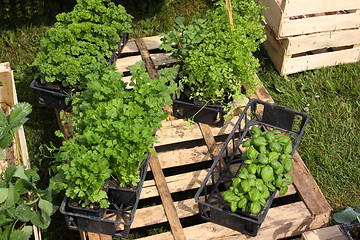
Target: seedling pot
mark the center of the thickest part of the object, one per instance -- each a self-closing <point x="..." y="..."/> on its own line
<point x="227" y="165"/>
<point x="184" y="107"/>
<point x="54" y="97"/>
<point x="115" y="220"/>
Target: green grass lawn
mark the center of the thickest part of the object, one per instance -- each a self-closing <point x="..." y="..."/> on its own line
<point x="329" y="147"/>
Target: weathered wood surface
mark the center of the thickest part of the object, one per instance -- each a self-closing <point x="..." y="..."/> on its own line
<point x="327" y="233"/>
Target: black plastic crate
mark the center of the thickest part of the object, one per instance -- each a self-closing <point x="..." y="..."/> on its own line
<point x="348" y="230"/>
<point x="116" y="220"/>
<point x="266" y="116"/>
<point x="209" y="114"/>
<point x="54" y="97"/>
<point x="184" y="107"/>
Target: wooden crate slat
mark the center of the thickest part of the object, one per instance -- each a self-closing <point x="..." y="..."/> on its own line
<point x="293" y="65"/>
<point x="297" y="17"/>
<point x="302" y="7"/>
<point x="310" y="42"/>
<point x="319" y="24"/>
<point x="282" y="221"/>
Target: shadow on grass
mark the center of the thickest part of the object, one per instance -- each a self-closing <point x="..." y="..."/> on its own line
<point x="19" y="13"/>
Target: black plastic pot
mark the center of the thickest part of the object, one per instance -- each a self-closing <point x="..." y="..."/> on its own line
<point x="115" y="220"/>
<point x="351" y="230"/>
<point x="55" y="97"/>
<point x="266" y="116"/>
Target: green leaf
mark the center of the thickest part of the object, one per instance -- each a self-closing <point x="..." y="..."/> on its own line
<point x="255" y="207"/>
<point x="346" y="215"/>
<point x="267" y="173"/>
<point x="3" y="194"/>
<point x="2" y="154"/>
<point x="18" y="114"/>
<point x="24" y="213"/>
<point x="12" y="198"/>
<point x="28" y="230"/>
<point x="6" y="141"/>
<point x="20" y="172"/>
<point x="40" y="220"/>
<point x="46" y="207"/>
<point x="9" y="172"/>
<point x="19" y="235"/>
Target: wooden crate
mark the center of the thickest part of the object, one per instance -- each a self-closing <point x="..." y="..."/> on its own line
<point x="8" y="98"/>
<point x="312" y="51"/>
<point x="298" y="17"/>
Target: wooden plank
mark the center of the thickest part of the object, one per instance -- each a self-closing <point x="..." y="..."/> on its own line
<point x="309" y="190"/>
<point x="151" y="43"/>
<point x="96" y="236"/>
<point x="304" y="43"/>
<point x="327" y="233"/>
<point x="7" y="79"/>
<point x="278" y="224"/>
<point x="145" y="56"/>
<point x="275" y="51"/>
<point x="159" y="177"/>
<point x="180" y="157"/>
<point x="123" y="64"/>
<point x="309" y="62"/>
<point x="181" y="133"/>
<point x="185" y="208"/>
<point x="176" y="183"/>
<point x="273" y="14"/>
<point x="167" y="202"/>
<point x="319" y="24"/>
<point x="302" y="7"/>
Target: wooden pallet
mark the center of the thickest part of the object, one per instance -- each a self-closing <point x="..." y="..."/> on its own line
<point x="185" y="154"/>
<point x="8" y="98"/>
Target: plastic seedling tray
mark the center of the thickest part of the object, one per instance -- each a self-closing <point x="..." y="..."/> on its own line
<point x="266" y="116"/>
<point x="351" y="230"/>
<point x="116" y="220"/>
<point x="55" y="97"/>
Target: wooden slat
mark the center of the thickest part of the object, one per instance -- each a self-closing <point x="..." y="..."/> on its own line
<point x="298" y="64"/>
<point x="305" y="43"/>
<point x="159" y="177"/>
<point x="278" y="224"/>
<point x="181" y="133"/>
<point x="167" y="202"/>
<point x="327" y="233"/>
<point x="151" y="43"/>
<point x="319" y="24"/>
<point x="184" y="156"/>
<point x="302" y="7"/>
<point x="309" y="190"/>
<point x="185" y="208"/>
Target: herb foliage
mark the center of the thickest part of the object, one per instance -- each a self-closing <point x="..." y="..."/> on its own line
<point x="217" y="60"/>
<point x="115" y="125"/>
<point x="78" y="39"/>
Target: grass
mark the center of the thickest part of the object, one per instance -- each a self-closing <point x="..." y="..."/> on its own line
<point x="329" y="147"/>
